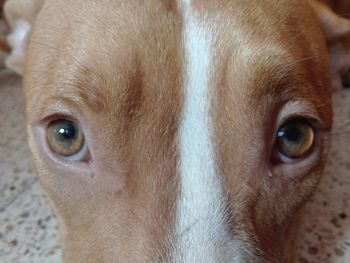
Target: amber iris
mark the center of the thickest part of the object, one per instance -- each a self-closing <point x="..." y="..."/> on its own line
<point x="65" y="138"/>
<point x="295" y="139"/>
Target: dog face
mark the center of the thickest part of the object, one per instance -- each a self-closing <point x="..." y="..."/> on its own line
<point x="178" y="131"/>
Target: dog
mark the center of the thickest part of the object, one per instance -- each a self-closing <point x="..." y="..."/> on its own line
<point x="178" y="130"/>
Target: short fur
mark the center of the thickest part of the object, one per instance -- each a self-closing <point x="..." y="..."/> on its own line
<point x="120" y="68"/>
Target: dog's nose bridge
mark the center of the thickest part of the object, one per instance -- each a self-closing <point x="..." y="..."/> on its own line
<point x="200" y="225"/>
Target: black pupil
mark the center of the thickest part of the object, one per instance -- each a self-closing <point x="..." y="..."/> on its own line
<point x="66" y="131"/>
<point x="291" y="132"/>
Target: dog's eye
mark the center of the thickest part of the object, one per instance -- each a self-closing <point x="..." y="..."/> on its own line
<point x="295" y="139"/>
<point x="66" y="138"/>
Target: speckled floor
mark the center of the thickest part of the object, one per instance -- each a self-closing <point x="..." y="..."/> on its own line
<point x="28" y="230"/>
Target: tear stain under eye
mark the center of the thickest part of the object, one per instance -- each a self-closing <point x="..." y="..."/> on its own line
<point x="92" y="175"/>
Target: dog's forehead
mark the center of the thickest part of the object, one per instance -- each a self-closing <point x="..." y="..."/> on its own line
<point x="149" y="36"/>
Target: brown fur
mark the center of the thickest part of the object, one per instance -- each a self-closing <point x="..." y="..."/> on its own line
<point x="248" y="91"/>
<point x="118" y="68"/>
<point x="121" y="91"/>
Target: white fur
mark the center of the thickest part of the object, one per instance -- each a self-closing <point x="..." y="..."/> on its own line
<point x="18" y="41"/>
<point x="201" y="228"/>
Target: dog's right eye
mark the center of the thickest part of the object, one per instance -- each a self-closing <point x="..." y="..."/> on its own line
<point x="66" y="139"/>
<point x="295" y="139"/>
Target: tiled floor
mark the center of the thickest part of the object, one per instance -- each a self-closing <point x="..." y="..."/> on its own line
<point x="28" y="230"/>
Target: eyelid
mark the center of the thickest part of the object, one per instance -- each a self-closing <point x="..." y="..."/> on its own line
<point x="287" y="160"/>
<point x="297" y="109"/>
<point x="56" y="105"/>
<point x="59" y="116"/>
<point x="303" y="110"/>
<point x="82" y="156"/>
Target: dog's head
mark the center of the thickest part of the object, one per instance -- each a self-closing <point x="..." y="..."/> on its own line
<point x="180" y="131"/>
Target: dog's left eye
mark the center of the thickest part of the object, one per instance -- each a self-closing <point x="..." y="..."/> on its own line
<point x="66" y="139"/>
<point x="295" y="139"/>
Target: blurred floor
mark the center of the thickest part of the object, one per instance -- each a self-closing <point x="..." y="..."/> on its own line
<point x="28" y="230"/>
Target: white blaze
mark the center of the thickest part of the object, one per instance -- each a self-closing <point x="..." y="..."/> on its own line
<point x="201" y="227"/>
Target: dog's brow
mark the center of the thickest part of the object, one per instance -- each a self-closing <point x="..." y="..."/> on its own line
<point x="85" y="89"/>
<point x="80" y="99"/>
<point x="71" y="102"/>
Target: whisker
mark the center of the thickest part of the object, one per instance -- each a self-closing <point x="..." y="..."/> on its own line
<point x="339" y="55"/>
<point x="299" y="34"/>
<point x="344" y="15"/>
<point x="316" y="56"/>
<point x="300" y="60"/>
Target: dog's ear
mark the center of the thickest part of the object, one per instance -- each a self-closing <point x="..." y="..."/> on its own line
<point x="3" y="29"/>
<point x="20" y="16"/>
<point x="336" y="30"/>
